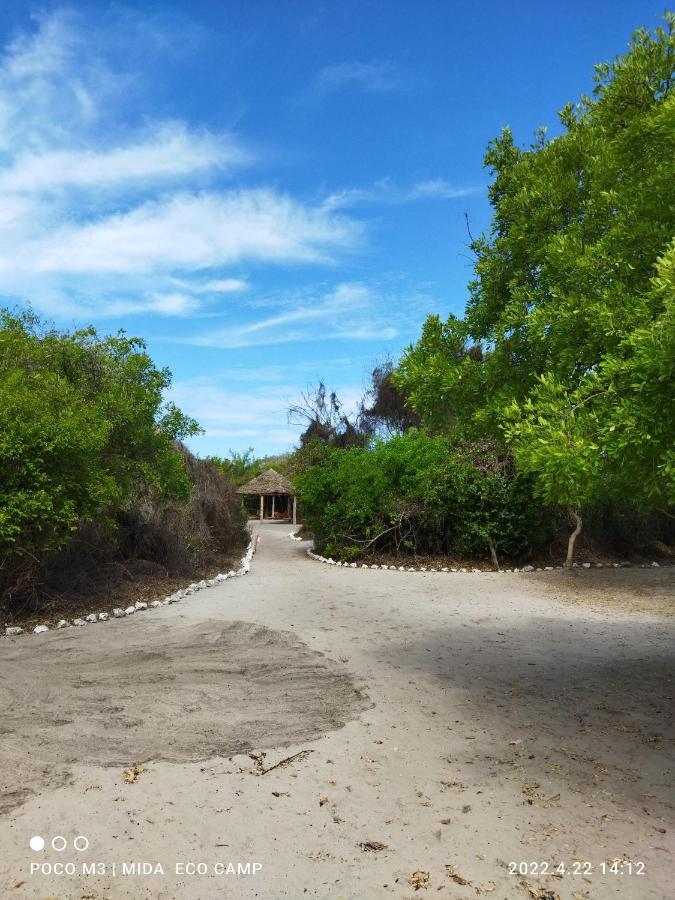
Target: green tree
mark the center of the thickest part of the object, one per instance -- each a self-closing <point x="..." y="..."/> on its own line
<point x="83" y="430"/>
<point x="572" y="299"/>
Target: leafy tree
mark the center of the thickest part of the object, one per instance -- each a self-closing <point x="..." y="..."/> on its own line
<point x="83" y="429"/>
<point x="572" y="300"/>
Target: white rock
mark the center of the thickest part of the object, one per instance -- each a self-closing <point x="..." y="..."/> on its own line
<point x="91" y="618"/>
<point x="445" y="569"/>
<point x="586" y="565"/>
<point x="63" y="623"/>
<point x="129" y="611"/>
<point x="453" y="570"/>
<point x="79" y="622"/>
<point x="476" y="571"/>
<point x="463" y="570"/>
<point x="527" y="569"/>
<point x="598" y="566"/>
<point x="401" y="568"/>
<point x="13" y="631"/>
<point x="118" y="613"/>
<point x="353" y="565"/>
<point x="423" y="569"/>
<point x="139" y="604"/>
<point x="166" y="602"/>
<point x="203" y="584"/>
<point x="103" y="617"/>
<point x="231" y="573"/>
<point x="655" y="565"/>
<point x="40" y="629"/>
<point x="156" y="604"/>
<point x="548" y="568"/>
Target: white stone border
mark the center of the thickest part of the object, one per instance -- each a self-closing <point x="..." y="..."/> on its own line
<point x="527" y="569"/>
<point x="294" y="536"/>
<point x="140" y="606"/>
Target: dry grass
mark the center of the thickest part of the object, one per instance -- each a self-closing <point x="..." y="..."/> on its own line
<point x="154" y="548"/>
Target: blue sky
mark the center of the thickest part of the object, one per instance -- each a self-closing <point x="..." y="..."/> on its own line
<point x="268" y="192"/>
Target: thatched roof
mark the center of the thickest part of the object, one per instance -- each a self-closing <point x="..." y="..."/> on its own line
<point x="270" y="482"/>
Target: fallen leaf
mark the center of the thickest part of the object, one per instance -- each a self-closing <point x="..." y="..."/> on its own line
<point x="372" y="846"/>
<point x="419" y="880"/>
<point x="451" y="872"/>
<point x="130" y="776"/>
<point x="323" y="801"/>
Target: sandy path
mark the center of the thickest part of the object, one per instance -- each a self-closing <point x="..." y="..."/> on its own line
<point x="487" y="721"/>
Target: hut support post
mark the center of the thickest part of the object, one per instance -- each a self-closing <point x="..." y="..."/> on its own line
<point x="272" y="505"/>
<point x="262" y="507"/>
<point x="295" y="510"/>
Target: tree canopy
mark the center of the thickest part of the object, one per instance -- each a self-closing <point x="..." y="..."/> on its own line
<point x="565" y="355"/>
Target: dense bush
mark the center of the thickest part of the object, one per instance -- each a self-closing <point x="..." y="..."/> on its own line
<point x="88" y="449"/>
<point x="82" y="430"/>
<point x="416" y="494"/>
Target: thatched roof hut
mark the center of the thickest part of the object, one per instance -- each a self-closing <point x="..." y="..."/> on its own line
<point x="277" y="496"/>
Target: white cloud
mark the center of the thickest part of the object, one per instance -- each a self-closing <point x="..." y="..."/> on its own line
<point x="370" y="77"/>
<point x="170" y="153"/>
<point x="239" y="418"/>
<point x="384" y="193"/>
<point x="187" y="232"/>
<point x="222" y="286"/>
<point x="102" y="218"/>
<point x="351" y="311"/>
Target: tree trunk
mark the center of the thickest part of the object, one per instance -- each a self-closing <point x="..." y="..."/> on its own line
<point x="576" y="518"/>
<point x="493" y="554"/>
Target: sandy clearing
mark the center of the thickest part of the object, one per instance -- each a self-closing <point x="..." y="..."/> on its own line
<point x="508" y="724"/>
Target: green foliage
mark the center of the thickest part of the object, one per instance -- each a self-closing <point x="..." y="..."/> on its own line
<point x="83" y="429"/>
<point x="572" y="303"/>
<point x="240" y="467"/>
<point x="413" y="494"/>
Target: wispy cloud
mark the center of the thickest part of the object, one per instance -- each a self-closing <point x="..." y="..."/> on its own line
<point x="234" y="417"/>
<point x="171" y="152"/>
<point x="105" y="219"/>
<point x="351" y="311"/>
<point x="367" y="77"/>
<point x="385" y="193"/>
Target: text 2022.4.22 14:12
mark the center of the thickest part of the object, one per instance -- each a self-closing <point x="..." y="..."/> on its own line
<point x="578" y="867"/>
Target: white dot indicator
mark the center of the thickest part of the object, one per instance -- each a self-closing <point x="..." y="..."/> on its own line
<point x="37" y="843"/>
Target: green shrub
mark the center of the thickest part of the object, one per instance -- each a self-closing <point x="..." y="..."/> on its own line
<point x="83" y="430"/>
<point x="417" y="494"/>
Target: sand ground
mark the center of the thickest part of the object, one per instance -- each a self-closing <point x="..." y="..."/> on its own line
<point x="464" y="722"/>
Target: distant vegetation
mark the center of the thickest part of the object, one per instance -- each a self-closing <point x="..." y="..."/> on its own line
<point x="552" y="398"/>
<point x="91" y="465"/>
